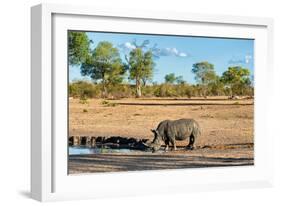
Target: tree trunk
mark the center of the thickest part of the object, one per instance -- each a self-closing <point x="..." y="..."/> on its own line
<point x="144" y="82"/>
<point x="231" y="91"/>
<point x="104" y="89"/>
<point x="205" y="91"/>
<point x="138" y="88"/>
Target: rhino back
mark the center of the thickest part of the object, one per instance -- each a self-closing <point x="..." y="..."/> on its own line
<point x="182" y="129"/>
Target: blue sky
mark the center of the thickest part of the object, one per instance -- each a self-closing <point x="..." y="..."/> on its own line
<point x="177" y="54"/>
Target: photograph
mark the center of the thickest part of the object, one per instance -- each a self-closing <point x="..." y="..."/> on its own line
<point x="139" y="102"/>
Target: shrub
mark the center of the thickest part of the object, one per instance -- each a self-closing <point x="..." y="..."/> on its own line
<point x="165" y="90"/>
<point x="104" y="102"/>
<point x="83" y="89"/>
<point x="83" y="100"/>
<point x="121" y="91"/>
<point x="109" y="104"/>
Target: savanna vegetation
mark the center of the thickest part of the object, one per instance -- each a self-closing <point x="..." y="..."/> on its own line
<point x="113" y="78"/>
<point x="108" y="104"/>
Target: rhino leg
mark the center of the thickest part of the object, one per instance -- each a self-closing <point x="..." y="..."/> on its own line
<point x="191" y="142"/>
<point x="173" y="141"/>
<point x="167" y="145"/>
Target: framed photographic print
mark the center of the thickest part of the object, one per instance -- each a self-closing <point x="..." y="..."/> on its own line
<point x="135" y="102"/>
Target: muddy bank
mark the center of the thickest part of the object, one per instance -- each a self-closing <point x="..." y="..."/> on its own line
<point x="226" y="140"/>
<point x="108" y="142"/>
<point x="115" y="142"/>
<point x="138" y="160"/>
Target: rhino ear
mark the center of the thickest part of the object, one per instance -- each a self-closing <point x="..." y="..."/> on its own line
<point x="153" y="130"/>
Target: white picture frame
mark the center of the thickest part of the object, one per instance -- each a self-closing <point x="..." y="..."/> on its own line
<point x="49" y="179"/>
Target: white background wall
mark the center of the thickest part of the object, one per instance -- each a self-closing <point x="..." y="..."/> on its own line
<point x="15" y="95"/>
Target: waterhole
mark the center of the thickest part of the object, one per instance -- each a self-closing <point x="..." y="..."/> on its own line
<point x="83" y="150"/>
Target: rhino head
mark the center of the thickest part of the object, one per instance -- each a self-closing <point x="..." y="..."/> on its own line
<point x="155" y="145"/>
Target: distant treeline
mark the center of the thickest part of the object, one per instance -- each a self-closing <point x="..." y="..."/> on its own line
<point x="109" y="73"/>
<point x="86" y="89"/>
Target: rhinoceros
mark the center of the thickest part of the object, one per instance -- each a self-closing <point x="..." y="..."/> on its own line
<point x="169" y="131"/>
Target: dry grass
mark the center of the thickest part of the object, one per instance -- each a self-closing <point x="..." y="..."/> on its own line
<point x="222" y="121"/>
<point x="226" y="140"/>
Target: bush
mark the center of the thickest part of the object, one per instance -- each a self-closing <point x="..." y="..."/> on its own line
<point x="165" y="90"/>
<point x="148" y="91"/>
<point x="83" y="100"/>
<point x="121" y="91"/>
<point x="85" y="89"/>
<point x="109" y="104"/>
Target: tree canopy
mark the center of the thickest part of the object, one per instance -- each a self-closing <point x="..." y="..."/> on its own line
<point x="107" y="70"/>
<point x="236" y="75"/>
<point x="237" y="79"/>
<point x="204" y="72"/>
<point x="78" y="47"/>
<point x="170" y="78"/>
<point x="104" y="64"/>
<point x="180" y="80"/>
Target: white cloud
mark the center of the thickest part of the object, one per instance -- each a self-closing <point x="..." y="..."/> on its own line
<point x="246" y="59"/>
<point x="157" y="52"/>
<point x="181" y="54"/>
<point x="169" y="52"/>
<point x="127" y="46"/>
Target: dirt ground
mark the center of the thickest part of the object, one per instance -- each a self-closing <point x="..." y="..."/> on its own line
<point x="227" y="130"/>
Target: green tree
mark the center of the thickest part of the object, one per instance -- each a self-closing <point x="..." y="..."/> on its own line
<point x="237" y="79"/>
<point x="78" y="47"/>
<point x="180" y="80"/>
<point x="140" y="66"/>
<point x="204" y="75"/>
<point x="170" y="78"/>
<point x="216" y="87"/>
<point x="104" y="65"/>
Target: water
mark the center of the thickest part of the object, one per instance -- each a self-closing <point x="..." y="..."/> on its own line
<point x="96" y="150"/>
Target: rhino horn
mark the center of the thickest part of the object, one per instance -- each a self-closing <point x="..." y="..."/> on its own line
<point x="145" y="144"/>
<point x="151" y="144"/>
